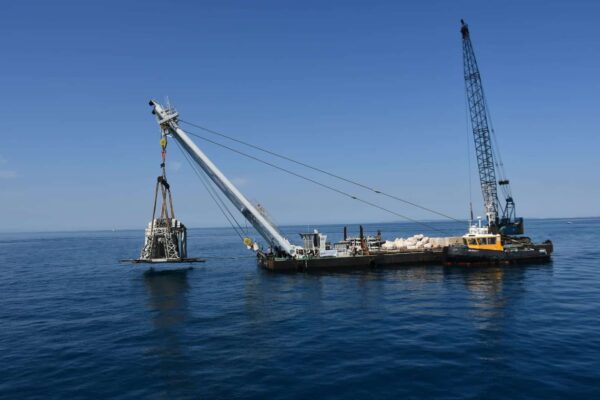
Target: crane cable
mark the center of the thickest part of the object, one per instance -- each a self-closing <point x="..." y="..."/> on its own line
<point x="469" y="170"/>
<point x="497" y="156"/>
<point x="214" y="195"/>
<point x="216" y="198"/>
<point x="320" y="170"/>
<point x="319" y="183"/>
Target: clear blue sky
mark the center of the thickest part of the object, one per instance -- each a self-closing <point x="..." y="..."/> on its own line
<point x="372" y="90"/>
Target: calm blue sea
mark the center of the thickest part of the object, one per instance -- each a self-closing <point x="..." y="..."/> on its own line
<point x="75" y="323"/>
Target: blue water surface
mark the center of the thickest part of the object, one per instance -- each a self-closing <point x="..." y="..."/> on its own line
<point x="76" y="323"/>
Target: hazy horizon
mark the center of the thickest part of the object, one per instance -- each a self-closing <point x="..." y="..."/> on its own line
<point x="312" y="225"/>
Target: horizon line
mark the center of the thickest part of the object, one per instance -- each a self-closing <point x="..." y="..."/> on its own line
<point x="282" y="225"/>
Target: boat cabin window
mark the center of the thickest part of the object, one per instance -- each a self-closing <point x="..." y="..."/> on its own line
<point x="480" y="241"/>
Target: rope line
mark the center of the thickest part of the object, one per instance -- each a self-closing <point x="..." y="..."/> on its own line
<point x="222" y="207"/>
<point x="321" y="171"/>
<point x="318" y="183"/>
<point x="469" y="136"/>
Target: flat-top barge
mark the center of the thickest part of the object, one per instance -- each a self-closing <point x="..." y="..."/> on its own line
<point x="318" y="254"/>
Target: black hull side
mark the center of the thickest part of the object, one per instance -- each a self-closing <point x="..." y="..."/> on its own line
<point x="461" y="255"/>
<point x="351" y="262"/>
<point x="453" y="255"/>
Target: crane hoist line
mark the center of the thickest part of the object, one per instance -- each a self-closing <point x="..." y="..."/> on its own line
<point x="320" y="170"/>
<point x="323" y="185"/>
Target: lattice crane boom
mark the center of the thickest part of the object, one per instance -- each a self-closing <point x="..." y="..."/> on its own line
<point x="500" y="218"/>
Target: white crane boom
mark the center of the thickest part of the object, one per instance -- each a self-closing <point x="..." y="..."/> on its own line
<point x="167" y="119"/>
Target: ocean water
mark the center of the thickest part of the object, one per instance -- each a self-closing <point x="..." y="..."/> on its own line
<point x="76" y="323"/>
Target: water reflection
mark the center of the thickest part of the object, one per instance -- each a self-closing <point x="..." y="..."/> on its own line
<point x="491" y="288"/>
<point x="168" y="305"/>
<point x="485" y="292"/>
<point x="488" y="299"/>
<point x="167" y="296"/>
<point x="493" y="305"/>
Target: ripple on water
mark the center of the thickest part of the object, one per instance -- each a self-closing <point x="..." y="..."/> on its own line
<point x="81" y="327"/>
